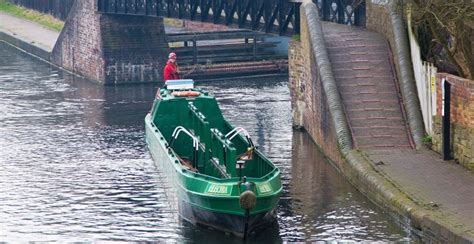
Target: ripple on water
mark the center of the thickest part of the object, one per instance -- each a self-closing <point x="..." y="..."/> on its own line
<point x="74" y="165"/>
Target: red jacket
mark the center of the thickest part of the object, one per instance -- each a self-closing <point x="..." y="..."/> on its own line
<point x="171" y="71"/>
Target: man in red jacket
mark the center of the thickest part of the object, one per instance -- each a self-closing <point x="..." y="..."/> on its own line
<point x="171" y="69"/>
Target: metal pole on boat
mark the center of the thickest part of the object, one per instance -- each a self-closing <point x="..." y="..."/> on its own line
<point x="196" y="153"/>
<point x="224" y="151"/>
<point x="241" y="164"/>
<point x="247" y="218"/>
<point x="248" y="201"/>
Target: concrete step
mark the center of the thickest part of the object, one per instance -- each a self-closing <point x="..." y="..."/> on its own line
<point x="385" y="147"/>
<point x="369" y="72"/>
<point x="365" y="75"/>
<point x="374" y="114"/>
<point x="354" y="42"/>
<point x="398" y="131"/>
<point x="369" y="97"/>
<point x="394" y="108"/>
<point x="350" y="62"/>
<point x="372" y="105"/>
<point x="349" y="48"/>
<point x="361" y="122"/>
<point x="373" y="89"/>
<point x="382" y="141"/>
<point x="345" y="57"/>
<point x="353" y="81"/>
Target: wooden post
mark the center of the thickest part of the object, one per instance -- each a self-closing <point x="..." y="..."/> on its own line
<point x="195" y="52"/>
<point x="446" y="121"/>
<point x="254" y="47"/>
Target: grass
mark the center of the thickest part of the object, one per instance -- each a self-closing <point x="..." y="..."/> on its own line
<point x="45" y="20"/>
<point x="296" y="37"/>
<point x="172" y="22"/>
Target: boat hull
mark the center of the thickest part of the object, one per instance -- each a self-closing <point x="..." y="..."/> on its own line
<point x="228" y="223"/>
<point x="213" y="202"/>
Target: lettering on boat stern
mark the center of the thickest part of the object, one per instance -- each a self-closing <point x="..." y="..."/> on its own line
<point x="218" y="189"/>
<point x="264" y="188"/>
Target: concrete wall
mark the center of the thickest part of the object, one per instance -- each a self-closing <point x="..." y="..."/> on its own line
<point x="111" y="49"/>
<point x="462" y="119"/>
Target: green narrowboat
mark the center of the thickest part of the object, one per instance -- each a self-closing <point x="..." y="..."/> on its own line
<point x="222" y="180"/>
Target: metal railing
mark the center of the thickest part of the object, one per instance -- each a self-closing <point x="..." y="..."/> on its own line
<point x="280" y="16"/>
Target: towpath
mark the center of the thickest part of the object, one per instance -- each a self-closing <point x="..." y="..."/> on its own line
<point x="365" y="76"/>
<point x="28" y="32"/>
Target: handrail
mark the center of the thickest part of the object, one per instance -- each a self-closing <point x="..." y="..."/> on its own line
<point x="175" y="135"/>
<point x="180" y="129"/>
<point x="236" y="131"/>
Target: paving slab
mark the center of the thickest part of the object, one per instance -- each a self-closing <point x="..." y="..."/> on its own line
<point x="438" y="185"/>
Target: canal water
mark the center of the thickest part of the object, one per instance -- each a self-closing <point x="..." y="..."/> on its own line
<point x="74" y="164"/>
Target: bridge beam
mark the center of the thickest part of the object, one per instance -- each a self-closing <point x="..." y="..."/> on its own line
<point x="111" y="49"/>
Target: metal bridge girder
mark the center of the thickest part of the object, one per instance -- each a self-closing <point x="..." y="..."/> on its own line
<point x="279" y="16"/>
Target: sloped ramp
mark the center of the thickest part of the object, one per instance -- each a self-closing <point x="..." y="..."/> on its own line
<point x="366" y="79"/>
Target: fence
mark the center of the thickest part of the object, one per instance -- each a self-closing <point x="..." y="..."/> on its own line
<point x="425" y="76"/>
<point x="57" y="8"/>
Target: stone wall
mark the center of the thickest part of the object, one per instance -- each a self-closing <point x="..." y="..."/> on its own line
<point x="309" y="101"/>
<point x="462" y="119"/>
<point x="111" y="49"/>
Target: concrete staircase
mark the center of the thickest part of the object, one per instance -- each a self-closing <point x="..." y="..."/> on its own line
<point x="365" y="76"/>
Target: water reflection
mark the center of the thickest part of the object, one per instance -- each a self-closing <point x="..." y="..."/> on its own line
<point x="74" y="164"/>
<point x="325" y="205"/>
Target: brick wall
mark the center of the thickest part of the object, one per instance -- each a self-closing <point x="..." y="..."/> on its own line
<point x="378" y="20"/>
<point x="308" y="99"/>
<point x="111" y="49"/>
<point x="462" y="119"/>
<point x="78" y="48"/>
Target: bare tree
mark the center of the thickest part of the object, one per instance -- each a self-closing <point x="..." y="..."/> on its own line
<point x="446" y="29"/>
